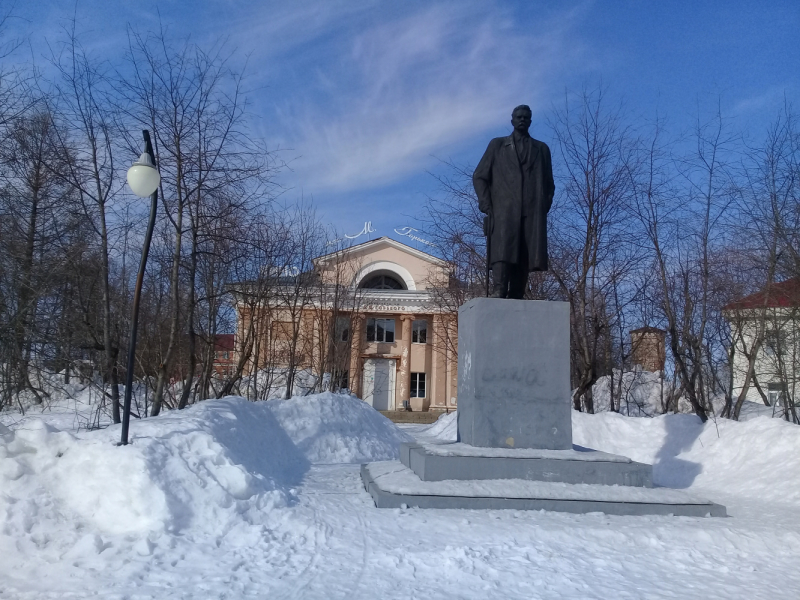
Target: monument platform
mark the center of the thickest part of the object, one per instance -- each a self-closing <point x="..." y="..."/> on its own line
<point x="439" y="462"/>
<point x="514" y="447"/>
<point x="393" y="485"/>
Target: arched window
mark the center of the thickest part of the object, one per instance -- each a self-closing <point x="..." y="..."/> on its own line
<point x="382" y="281"/>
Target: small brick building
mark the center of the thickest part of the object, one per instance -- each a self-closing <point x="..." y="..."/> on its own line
<point x="648" y="348"/>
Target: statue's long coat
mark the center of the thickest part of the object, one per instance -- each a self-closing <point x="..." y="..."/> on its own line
<point x="509" y="189"/>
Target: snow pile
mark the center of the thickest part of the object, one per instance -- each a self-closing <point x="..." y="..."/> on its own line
<point x="50" y="475"/>
<point x="338" y="428"/>
<point x="215" y="475"/>
<point x="444" y="428"/>
<point x="198" y="469"/>
<point x="754" y="459"/>
<point x="637" y="393"/>
<point x="270" y="384"/>
<point x="751" y="410"/>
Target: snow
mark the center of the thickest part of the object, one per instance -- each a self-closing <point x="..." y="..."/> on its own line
<point x="444" y="428"/>
<point x="447" y="448"/>
<point x="398" y="479"/>
<point x="637" y="393"/>
<point x="335" y="428"/>
<point x="748" y="459"/>
<point x="196" y="471"/>
<point x="236" y="499"/>
<point x="640" y="393"/>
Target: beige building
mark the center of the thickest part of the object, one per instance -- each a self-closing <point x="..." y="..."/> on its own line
<point x="367" y="317"/>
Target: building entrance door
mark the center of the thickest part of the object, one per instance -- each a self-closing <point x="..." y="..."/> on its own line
<point x="379" y="383"/>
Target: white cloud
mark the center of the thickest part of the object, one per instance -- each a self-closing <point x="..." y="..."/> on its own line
<point x="417" y="85"/>
<point x="363" y="93"/>
<point x="769" y="98"/>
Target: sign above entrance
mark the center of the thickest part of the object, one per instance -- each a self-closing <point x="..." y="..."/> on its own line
<point x="408" y="232"/>
<point x="367" y="229"/>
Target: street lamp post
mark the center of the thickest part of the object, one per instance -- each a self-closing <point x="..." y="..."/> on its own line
<point x="143" y="179"/>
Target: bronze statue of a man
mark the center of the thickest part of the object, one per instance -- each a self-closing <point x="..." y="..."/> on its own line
<point x="514" y="184"/>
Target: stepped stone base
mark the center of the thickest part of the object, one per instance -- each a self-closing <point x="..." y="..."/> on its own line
<point x="393" y="485"/>
<point x="438" y="462"/>
<point x="514" y="448"/>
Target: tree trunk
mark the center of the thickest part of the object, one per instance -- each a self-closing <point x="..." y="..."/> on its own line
<point x="166" y="362"/>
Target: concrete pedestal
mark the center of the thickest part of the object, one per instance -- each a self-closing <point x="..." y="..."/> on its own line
<point x="393" y="485"/>
<point x="515" y="431"/>
<point x="513" y="374"/>
<point x="440" y="462"/>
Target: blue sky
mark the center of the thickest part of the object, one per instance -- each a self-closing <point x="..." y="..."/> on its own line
<point x="364" y="99"/>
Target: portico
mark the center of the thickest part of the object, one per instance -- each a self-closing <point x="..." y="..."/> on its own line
<point x="398" y="345"/>
<point x="397" y="322"/>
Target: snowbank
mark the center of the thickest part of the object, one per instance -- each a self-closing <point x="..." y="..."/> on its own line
<point x="640" y="393"/>
<point x="199" y="468"/>
<point x="194" y="469"/>
<point x="217" y="471"/>
<point x="755" y="459"/>
<point x="637" y="393"/>
<point x="445" y="427"/>
<point x="338" y="428"/>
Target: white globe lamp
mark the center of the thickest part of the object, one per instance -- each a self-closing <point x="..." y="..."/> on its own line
<point x="143" y="177"/>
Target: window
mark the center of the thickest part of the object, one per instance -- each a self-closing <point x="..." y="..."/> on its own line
<point x="380" y="330"/>
<point x="225" y="354"/>
<point x="342" y="333"/>
<point x="775" y="342"/>
<point x="418" y="385"/>
<point x="382" y="282"/>
<point x="419" y="331"/>
<point x="282" y="331"/>
<point x="776" y="394"/>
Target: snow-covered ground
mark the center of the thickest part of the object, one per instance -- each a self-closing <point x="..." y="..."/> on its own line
<point x="235" y="499"/>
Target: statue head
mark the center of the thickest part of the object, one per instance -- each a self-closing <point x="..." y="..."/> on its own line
<point x="521" y="118"/>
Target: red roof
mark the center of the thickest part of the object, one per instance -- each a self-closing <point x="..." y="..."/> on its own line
<point x="778" y="295"/>
<point x="224" y="341"/>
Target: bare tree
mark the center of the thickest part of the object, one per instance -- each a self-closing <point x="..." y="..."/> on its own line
<point x="683" y="219"/>
<point x="337" y="302"/>
<point x="593" y="250"/>
<point x="249" y="284"/>
<point x="35" y="215"/>
<point x="192" y="101"/>
<point x="88" y="167"/>
<point x="295" y="291"/>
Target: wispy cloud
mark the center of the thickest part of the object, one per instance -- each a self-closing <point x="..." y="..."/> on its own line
<point x="769" y="98"/>
<point x="415" y="85"/>
<point x="363" y="93"/>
